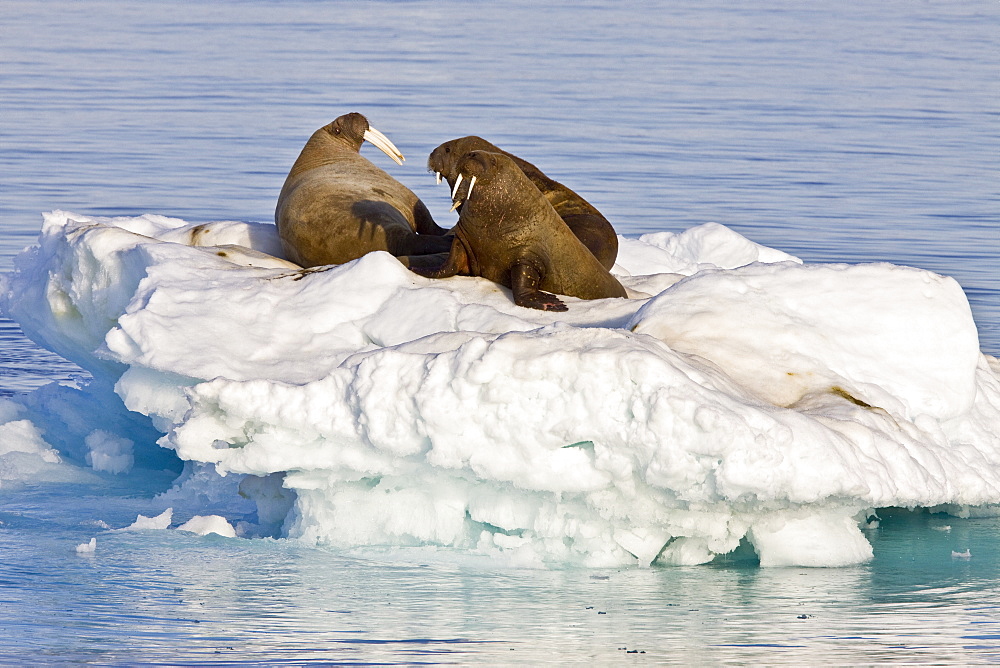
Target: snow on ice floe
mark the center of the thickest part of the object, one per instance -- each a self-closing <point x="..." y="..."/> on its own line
<point x="739" y="394"/>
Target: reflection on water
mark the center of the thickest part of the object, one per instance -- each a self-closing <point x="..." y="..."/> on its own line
<point x="24" y="366"/>
<point x="169" y="596"/>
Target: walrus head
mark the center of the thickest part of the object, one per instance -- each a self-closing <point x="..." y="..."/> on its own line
<point x="497" y="171"/>
<point x="443" y="160"/>
<point x="353" y="129"/>
<point x="471" y="167"/>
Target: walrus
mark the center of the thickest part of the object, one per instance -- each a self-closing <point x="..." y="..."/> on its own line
<point x="336" y="206"/>
<point x="509" y="233"/>
<point x="586" y="222"/>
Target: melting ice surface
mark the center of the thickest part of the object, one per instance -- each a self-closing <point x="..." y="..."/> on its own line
<point x="738" y="395"/>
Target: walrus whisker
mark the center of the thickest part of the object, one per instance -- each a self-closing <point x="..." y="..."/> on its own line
<point x="455" y="189"/>
<point x="382" y="142"/>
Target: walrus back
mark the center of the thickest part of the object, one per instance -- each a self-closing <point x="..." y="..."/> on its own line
<point x="336" y="212"/>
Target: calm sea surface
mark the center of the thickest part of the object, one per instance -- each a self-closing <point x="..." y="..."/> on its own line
<point x="839" y="132"/>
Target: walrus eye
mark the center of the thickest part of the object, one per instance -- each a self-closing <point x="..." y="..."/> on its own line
<point x="447" y="149"/>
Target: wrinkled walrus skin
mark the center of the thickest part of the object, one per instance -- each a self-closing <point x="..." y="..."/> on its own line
<point x="336" y="206"/>
<point x="509" y="233"/>
<point x="586" y="222"/>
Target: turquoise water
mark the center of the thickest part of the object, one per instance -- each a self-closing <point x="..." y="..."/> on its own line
<point x="167" y="597"/>
<point x="848" y="133"/>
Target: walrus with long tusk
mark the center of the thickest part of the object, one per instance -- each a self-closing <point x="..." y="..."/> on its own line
<point x="509" y="233"/>
<point x="336" y="206"/>
<point x="586" y="222"/>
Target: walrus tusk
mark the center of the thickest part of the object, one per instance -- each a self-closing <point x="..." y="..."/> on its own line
<point x="437" y="178"/>
<point x="382" y="142"/>
<point x="456" y="202"/>
<point x="455" y="189"/>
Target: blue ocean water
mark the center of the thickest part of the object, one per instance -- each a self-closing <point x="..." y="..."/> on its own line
<point x="848" y="133"/>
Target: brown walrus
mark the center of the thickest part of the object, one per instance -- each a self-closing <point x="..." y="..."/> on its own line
<point x="509" y="233"/>
<point x="336" y="206"/>
<point x="586" y="222"/>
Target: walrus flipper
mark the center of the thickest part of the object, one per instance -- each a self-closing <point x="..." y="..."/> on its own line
<point x="424" y="222"/>
<point x="524" y="281"/>
<point x="456" y="263"/>
<point x="423" y="263"/>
